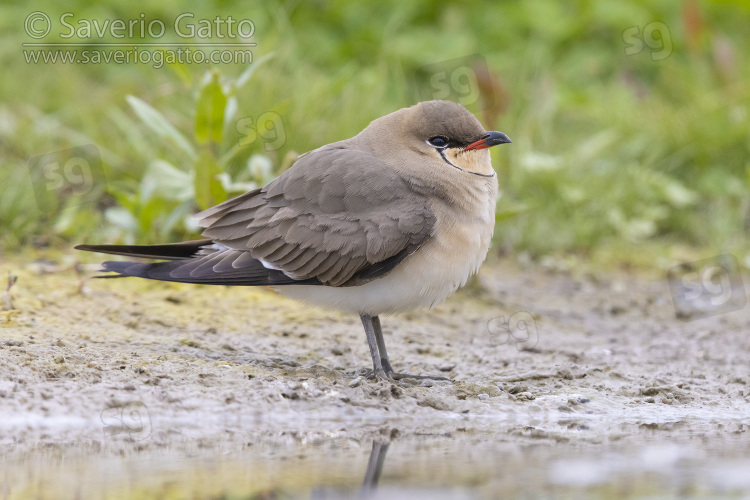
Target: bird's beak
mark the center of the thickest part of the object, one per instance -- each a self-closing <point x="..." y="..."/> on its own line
<point x="489" y="140"/>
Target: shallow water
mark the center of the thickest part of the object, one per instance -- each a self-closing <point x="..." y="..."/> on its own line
<point x="570" y="459"/>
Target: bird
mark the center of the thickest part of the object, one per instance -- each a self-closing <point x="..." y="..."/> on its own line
<point x="395" y="218"/>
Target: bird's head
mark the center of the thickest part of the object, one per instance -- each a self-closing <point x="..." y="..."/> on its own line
<point x="442" y="131"/>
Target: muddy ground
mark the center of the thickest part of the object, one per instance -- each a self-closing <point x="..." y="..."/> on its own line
<point x="129" y="375"/>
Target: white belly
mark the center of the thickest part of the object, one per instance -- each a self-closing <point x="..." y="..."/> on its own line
<point x="425" y="278"/>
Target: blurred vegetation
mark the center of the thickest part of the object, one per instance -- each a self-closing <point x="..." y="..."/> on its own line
<point x="629" y="120"/>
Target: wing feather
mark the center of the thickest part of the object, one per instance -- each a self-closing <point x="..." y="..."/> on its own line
<point x="338" y="217"/>
<point x="337" y="212"/>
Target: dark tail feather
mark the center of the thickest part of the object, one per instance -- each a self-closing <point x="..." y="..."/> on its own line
<point x="170" y="251"/>
<point x="254" y="274"/>
<point x="192" y="262"/>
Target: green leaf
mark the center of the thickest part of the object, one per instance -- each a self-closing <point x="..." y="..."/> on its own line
<point x="231" y="186"/>
<point x="181" y="70"/>
<point x="121" y="217"/>
<point x="235" y="150"/>
<point x="164" y="180"/>
<point x="230" y="111"/>
<point x="209" y="113"/>
<point x="245" y="76"/>
<point x="208" y="188"/>
<point x="678" y="195"/>
<point x="159" y="125"/>
<point x="260" y="167"/>
<point x="177" y="215"/>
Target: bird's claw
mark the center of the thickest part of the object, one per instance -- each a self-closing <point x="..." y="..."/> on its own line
<point x="399" y="376"/>
<point x="393" y="376"/>
<point x="380" y="375"/>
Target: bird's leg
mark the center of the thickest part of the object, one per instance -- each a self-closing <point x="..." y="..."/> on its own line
<point x="372" y="341"/>
<point x="386" y="363"/>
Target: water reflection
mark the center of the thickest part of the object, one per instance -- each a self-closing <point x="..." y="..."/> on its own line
<point x="374" y="468"/>
<point x="655" y="461"/>
<point x="369" y="483"/>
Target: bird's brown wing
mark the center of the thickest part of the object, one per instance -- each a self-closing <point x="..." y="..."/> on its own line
<point x="339" y="216"/>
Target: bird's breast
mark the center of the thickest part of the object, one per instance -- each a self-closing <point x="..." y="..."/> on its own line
<point x="459" y="245"/>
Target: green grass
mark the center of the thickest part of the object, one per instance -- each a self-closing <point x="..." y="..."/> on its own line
<point x="609" y="150"/>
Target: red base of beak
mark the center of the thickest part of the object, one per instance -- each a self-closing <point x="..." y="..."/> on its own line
<point x="480" y="144"/>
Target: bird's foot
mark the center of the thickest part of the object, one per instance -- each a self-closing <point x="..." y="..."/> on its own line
<point x="399" y="376"/>
<point x="393" y="376"/>
<point x="378" y="375"/>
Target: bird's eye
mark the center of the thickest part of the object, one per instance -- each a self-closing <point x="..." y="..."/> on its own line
<point x="438" y="141"/>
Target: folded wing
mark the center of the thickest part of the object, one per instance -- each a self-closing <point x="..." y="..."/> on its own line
<point x="338" y="217"/>
<point x="332" y="216"/>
